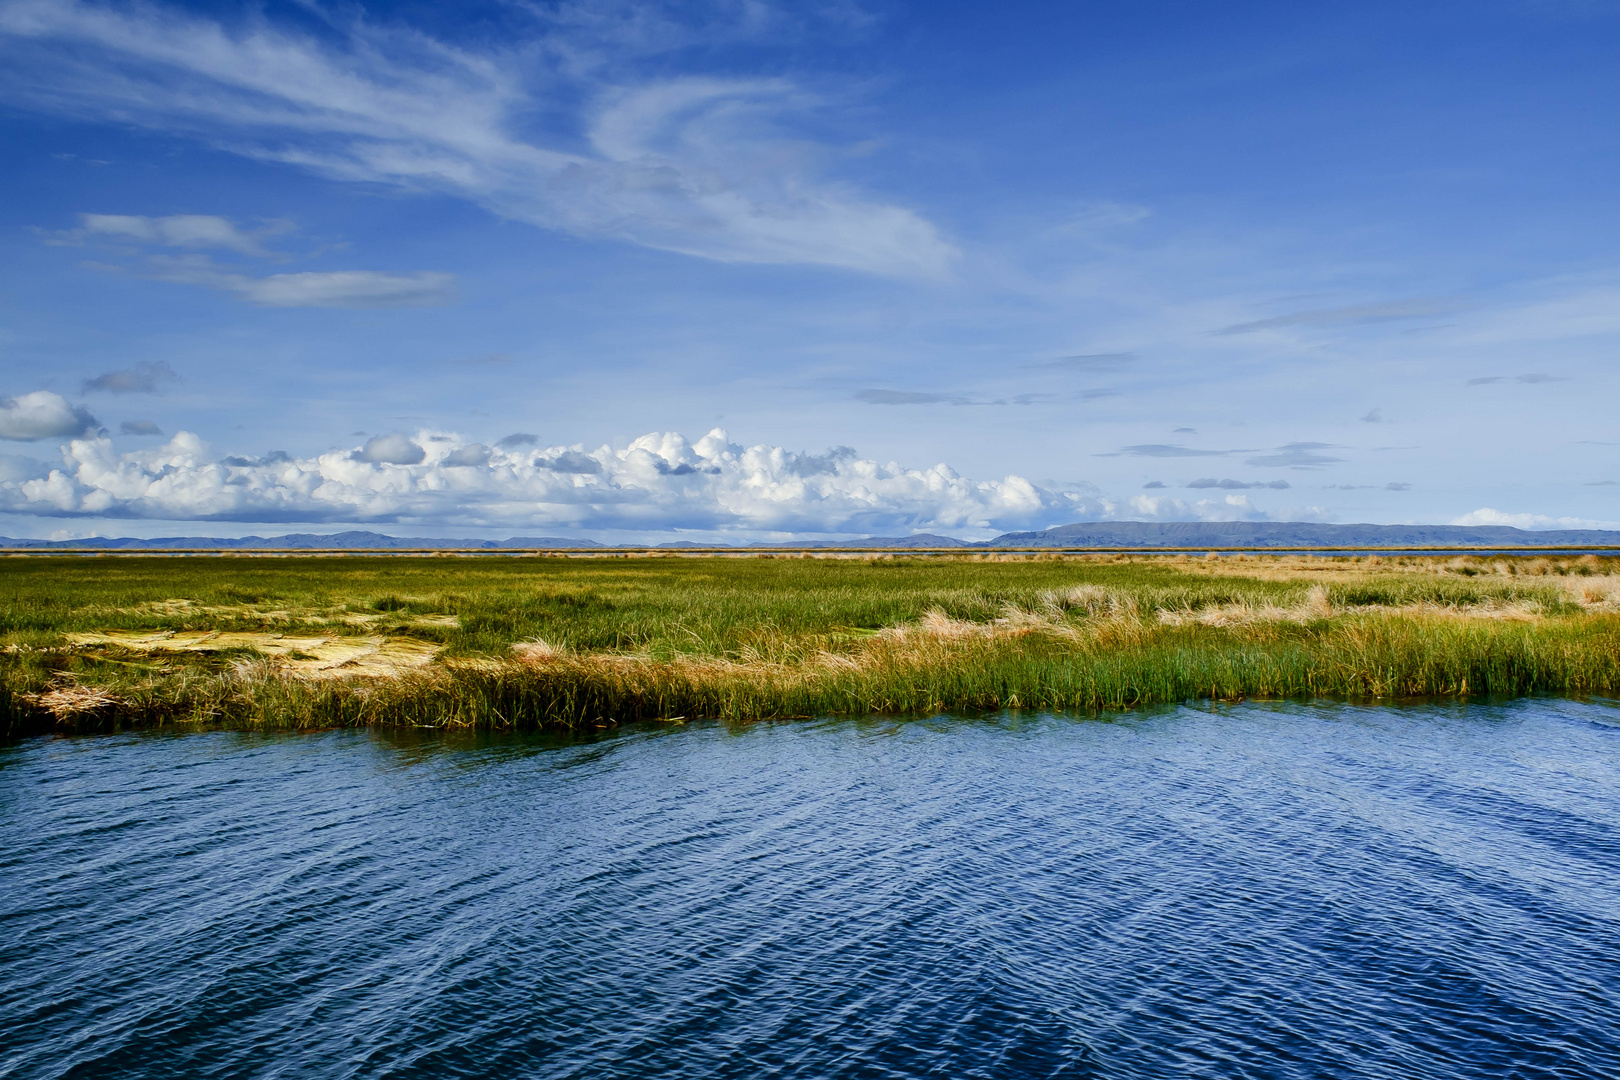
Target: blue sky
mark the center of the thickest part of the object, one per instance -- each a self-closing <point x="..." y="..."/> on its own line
<point x="745" y="270"/>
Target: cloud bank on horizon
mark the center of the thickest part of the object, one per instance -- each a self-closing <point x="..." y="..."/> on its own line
<point x="659" y="482"/>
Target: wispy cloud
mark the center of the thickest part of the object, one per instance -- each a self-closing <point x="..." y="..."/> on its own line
<point x="1532" y="378"/>
<point x="1088" y="363"/>
<point x="140" y="379"/>
<point x="711" y="167"/>
<point x="1300" y="455"/>
<point x="1297" y="455"/>
<point x="327" y="289"/>
<point x="195" y="231"/>
<point x="1392" y="311"/>
<point x="139" y="427"/>
<point x="920" y="397"/>
<point x="1236" y="485"/>
<point x="1167" y="450"/>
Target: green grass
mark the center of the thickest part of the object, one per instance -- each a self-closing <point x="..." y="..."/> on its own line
<point x="746" y="638"/>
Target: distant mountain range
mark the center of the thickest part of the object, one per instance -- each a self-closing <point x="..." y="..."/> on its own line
<point x="1264" y="534"/>
<point x="1105" y="534"/>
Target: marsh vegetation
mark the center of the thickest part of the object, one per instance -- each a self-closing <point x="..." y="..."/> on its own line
<point x="97" y="643"/>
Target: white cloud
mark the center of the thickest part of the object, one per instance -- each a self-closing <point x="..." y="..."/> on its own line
<point x="708" y="167"/>
<point x="391" y="450"/>
<point x="1487" y="516"/>
<point x="347" y="289"/>
<point x="179" y="230"/>
<point x="660" y="481"/>
<point x="1168" y="508"/>
<point x="42" y="415"/>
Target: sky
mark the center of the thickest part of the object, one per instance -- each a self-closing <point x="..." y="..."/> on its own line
<point x="739" y="270"/>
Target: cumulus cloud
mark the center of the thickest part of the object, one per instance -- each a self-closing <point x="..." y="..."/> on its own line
<point x="575" y="461"/>
<point x="391" y="450"/>
<point x="721" y="168"/>
<point x="139" y="427"/>
<point x="176" y="231"/>
<point x="516" y="439"/>
<point x="1485" y="515"/>
<point x="660" y="481"/>
<point x="140" y="379"/>
<point x="1167" y="508"/>
<point x="43" y="415"/>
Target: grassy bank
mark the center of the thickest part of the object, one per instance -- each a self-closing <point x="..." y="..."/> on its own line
<point x="99" y="643"/>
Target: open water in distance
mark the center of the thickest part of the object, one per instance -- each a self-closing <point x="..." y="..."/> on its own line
<point x="1254" y="891"/>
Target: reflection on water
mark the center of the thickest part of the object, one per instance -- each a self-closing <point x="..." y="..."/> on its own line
<point x="1258" y="891"/>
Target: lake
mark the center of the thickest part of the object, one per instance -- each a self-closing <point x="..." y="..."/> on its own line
<point x="1245" y="891"/>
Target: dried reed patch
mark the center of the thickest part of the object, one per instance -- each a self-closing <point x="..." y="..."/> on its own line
<point x="936" y="625"/>
<point x="323" y="657"/>
<point x="538" y="651"/>
<point x="1594" y="593"/>
<point x="73" y="700"/>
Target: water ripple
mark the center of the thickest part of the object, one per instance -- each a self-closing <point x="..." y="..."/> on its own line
<point x="1277" y="892"/>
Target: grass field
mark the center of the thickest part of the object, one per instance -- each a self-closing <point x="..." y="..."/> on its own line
<point x="102" y="642"/>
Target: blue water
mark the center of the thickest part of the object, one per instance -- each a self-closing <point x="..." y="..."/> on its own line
<point x="1256" y="891"/>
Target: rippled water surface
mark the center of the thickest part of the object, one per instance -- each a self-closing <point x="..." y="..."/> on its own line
<point x="1294" y="891"/>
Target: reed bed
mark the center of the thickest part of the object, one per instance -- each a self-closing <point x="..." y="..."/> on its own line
<point x="94" y="644"/>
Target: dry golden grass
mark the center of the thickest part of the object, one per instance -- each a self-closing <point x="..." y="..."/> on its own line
<point x="321" y="657"/>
